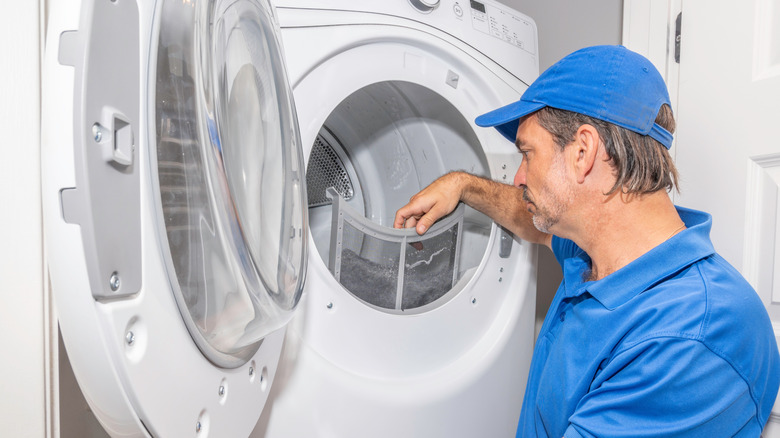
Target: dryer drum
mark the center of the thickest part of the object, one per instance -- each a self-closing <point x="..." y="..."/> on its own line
<point x="379" y="146"/>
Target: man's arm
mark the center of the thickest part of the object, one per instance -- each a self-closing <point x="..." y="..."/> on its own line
<point x="501" y="202"/>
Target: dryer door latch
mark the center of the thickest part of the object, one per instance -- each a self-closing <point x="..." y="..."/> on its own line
<point x="106" y="199"/>
<point x="117" y="142"/>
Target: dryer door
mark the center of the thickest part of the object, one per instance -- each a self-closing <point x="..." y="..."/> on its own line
<point x="174" y="209"/>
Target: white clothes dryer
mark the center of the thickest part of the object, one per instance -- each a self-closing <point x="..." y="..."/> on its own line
<point x="174" y="209"/>
<point x="176" y="219"/>
<point x="416" y="339"/>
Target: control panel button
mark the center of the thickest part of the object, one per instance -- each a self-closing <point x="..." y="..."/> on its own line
<point x="425" y="6"/>
<point x="457" y="10"/>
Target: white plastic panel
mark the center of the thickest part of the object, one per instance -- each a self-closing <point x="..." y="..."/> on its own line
<point x="106" y="122"/>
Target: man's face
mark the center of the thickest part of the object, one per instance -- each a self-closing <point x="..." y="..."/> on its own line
<point x="547" y="191"/>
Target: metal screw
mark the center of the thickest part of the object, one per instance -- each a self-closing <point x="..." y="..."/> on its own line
<point x="221" y="391"/>
<point x="503" y="166"/>
<point x="330" y="305"/>
<point x="473" y="301"/>
<point x="500" y="269"/>
<point x="197" y="426"/>
<point x="251" y="371"/>
<point x="97" y="132"/>
<point x="504" y="176"/>
<point x="113" y="282"/>
<point x="130" y="338"/>
<point x="500" y="279"/>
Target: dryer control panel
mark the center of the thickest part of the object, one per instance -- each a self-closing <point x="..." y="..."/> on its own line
<point x="502" y="24"/>
<point x="476" y="23"/>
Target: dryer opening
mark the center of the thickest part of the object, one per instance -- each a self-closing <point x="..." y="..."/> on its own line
<point x="380" y="146"/>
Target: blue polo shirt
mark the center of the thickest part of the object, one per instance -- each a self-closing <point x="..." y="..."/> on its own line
<point x="676" y="343"/>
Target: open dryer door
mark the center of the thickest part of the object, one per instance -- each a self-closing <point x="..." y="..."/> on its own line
<point x="174" y="209"/>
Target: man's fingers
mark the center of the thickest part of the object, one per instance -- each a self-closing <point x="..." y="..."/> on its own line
<point x="431" y="204"/>
<point x="428" y="219"/>
<point x="402" y="216"/>
<point x="408" y="215"/>
<point x="409" y="222"/>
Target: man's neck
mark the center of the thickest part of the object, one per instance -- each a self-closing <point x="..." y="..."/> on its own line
<point x="623" y="228"/>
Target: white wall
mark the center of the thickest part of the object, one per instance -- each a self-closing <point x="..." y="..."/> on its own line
<point x="23" y="307"/>
<point x="565" y="26"/>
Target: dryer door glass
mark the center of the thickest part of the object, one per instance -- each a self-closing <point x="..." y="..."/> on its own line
<point x="229" y="167"/>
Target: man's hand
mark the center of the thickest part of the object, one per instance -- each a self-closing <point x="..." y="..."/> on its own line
<point x="437" y="200"/>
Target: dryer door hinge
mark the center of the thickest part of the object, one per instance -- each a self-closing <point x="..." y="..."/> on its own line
<point x="677" y="27"/>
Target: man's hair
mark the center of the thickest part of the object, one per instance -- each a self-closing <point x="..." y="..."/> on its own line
<point x="641" y="164"/>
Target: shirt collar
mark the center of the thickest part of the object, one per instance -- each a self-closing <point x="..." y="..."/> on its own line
<point x="681" y="250"/>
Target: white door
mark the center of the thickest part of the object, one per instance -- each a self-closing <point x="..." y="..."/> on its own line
<point x="727" y="148"/>
<point x="174" y="209"/>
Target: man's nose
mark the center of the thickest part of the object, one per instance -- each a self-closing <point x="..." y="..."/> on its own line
<point x="520" y="175"/>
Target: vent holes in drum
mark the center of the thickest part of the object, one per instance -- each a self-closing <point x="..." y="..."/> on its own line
<point x="326" y="169"/>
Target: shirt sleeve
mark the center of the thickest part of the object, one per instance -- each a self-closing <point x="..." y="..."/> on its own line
<point x="666" y="387"/>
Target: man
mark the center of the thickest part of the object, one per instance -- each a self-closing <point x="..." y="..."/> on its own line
<point x="651" y="332"/>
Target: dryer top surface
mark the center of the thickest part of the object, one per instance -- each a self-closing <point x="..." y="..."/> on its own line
<point x="506" y="36"/>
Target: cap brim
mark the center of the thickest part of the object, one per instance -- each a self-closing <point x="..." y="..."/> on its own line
<point x="507" y="118"/>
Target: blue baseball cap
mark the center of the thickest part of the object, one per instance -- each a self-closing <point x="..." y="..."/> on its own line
<point x="609" y="83"/>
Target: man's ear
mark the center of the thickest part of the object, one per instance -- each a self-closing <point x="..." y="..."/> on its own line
<point x="585" y="148"/>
